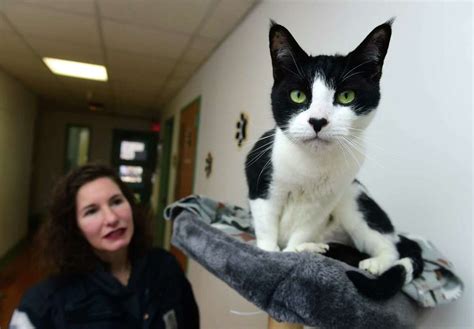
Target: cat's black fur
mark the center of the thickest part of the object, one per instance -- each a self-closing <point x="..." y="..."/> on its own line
<point x="259" y="157"/>
<point x="392" y="280"/>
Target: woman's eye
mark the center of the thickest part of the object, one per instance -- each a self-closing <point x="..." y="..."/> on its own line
<point x="297" y="96"/>
<point x="117" y="201"/>
<point x="346" y="97"/>
<point x="90" y="212"/>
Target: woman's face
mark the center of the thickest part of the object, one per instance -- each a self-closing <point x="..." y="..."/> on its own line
<point x="104" y="216"/>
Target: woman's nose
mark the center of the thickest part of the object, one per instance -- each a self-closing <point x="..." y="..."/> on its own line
<point x="111" y="217"/>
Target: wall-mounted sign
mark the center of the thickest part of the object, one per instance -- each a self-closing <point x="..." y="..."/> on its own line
<point x="208" y="168"/>
<point x="241" y="134"/>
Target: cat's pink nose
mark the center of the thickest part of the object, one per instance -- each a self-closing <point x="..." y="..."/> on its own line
<point x="317" y="124"/>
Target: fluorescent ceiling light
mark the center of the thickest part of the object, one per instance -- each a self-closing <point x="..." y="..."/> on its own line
<point x="76" y="69"/>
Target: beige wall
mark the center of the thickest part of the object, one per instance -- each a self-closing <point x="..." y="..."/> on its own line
<point x="420" y="139"/>
<point x="51" y="140"/>
<point x="17" y="118"/>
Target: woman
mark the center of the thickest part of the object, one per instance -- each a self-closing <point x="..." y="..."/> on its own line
<point x="104" y="273"/>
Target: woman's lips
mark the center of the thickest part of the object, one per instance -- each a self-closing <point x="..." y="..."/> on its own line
<point x="115" y="234"/>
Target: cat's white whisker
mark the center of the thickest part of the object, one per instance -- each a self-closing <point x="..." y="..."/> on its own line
<point x="360" y="147"/>
<point x="263" y="169"/>
<point x="261" y="146"/>
<point x="259" y="156"/>
<point x="371" y="144"/>
<point x="342" y="150"/>
<point x="270" y="142"/>
<point x="348" y="144"/>
<point x="254" y="140"/>
<point x="352" y="75"/>
<point x="291" y="71"/>
<point x="297" y="67"/>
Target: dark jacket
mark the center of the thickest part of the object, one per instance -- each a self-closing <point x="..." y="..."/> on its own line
<point x="157" y="296"/>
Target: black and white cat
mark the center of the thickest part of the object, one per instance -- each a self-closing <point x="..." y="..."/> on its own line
<point x="301" y="174"/>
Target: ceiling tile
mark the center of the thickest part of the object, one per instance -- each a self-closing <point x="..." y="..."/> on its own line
<point x="170" y="89"/>
<point x="140" y="100"/>
<point x="131" y="109"/>
<point x="134" y="63"/>
<point x="12" y="45"/>
<point x="4" y="26"/>
<point x="164" y="99"/>
<point x="83" y="7"/>
<point x="64" y="50"/>
<point x="53" y="25"/>
<point x="84" y="83"/>
<point x="184" y="70"/>
<point x="136" y="80"/>
<point x="186" y="14"/>
<point x="18" y="59"/>
<point x="49" y="87"/>
<point x="174" y="84"/>
<point x="199" y="49"/>
<point x="143" y="41"/>
<point x="87" y="89"/>
<point x="225" y="17"/>
<point x="126" y="89"/>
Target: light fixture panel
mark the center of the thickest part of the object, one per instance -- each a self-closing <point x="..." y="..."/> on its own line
<point x="76" y="69"/>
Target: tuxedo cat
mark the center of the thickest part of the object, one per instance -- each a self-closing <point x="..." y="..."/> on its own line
<point x="301" y="174"/>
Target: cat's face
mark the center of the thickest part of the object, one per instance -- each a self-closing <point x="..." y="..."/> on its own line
<point x="326" y="100"/>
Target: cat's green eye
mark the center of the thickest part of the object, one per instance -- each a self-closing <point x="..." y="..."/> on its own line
<point x="346" y="97"/>
<point x="298" y="96"/>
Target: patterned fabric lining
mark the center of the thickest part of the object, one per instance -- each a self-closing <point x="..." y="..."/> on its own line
<point x="438" y="284"/>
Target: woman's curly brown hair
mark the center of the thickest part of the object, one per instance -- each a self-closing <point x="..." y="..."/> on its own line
<point x="63" y="249"/>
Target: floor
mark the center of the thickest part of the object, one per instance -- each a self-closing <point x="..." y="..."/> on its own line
<point x="20" y="274"/>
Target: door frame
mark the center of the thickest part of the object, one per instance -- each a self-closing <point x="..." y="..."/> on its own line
<point x="68" y="127"/>
<point x="181" y="257"/>
<point x="197" y="100"/>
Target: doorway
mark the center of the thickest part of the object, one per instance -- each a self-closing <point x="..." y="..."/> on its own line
<point x="134" y="158"/>
<point x="187" y="147"/>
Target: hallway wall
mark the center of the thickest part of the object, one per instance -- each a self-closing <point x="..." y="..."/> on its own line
<point x="18" y="110"/>
<point x="51" y="139"/>
<point x="419" y="166"/>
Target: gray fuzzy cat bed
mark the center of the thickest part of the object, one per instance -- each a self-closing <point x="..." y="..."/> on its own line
<point x="305" y="288"/>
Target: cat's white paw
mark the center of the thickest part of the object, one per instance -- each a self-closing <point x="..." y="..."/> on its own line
<point x="408" y="265"/>
<point x="268" y="246"/>
<point x="375" y="265"/>
<point x="320" y="248"/>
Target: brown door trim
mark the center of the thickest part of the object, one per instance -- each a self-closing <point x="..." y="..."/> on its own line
<point x="182" y="187"/>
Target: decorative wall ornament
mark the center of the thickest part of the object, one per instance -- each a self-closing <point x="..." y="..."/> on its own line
<point x="208" y="168"/>
<point x="241" y="134"/>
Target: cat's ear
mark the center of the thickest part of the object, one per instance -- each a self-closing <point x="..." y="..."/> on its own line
<point x="371" y="52"/>
<point x="285" y="52"/>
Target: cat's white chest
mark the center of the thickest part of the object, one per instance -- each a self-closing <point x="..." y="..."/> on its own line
<point x="310" y="176"/>
<point x="307" y="206"/>
<point x="311" y="185"/>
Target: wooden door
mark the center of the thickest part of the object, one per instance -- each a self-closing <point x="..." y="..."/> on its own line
<point x="188" y="132"/>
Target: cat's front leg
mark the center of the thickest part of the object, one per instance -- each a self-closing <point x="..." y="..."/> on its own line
<point x="266" y="213"/>
<point x="304" y="240"/>
<point x="320" y="248"/>
<point x="370" y="229"/>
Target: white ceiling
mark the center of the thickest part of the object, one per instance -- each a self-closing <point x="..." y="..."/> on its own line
<point x="150" y="47"/>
